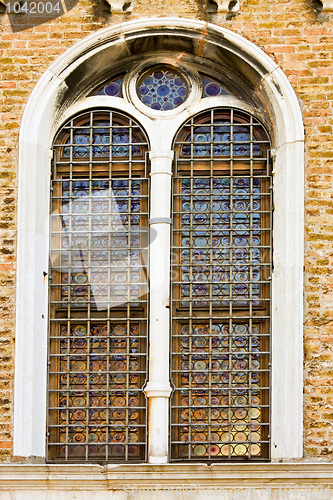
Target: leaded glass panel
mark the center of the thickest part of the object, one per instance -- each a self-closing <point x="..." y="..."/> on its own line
<point x="98" y="291"/>
<point x="162" y="88"/>
<point x="221" y="270"/>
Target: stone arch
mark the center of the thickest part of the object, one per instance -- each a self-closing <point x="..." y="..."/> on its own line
<point x="259" y="81"/>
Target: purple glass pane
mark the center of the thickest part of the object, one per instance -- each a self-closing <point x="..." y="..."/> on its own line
<point x="111" y="88"/>
<point x="213" y="88"/>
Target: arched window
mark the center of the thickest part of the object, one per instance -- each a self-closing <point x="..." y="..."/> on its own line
<point x="177" y="143"/>
<point x="98" y="290"/>
<point x="221" y="288"/>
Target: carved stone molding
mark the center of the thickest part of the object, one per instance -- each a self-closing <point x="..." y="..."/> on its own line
<point x="327" y="5"/>
<point x="307" y="480"/>
<point x="117" y="6"/>
<point x="229" y="5"/>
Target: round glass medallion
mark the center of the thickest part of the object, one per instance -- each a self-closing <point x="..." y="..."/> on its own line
<point x="162" y="88"/>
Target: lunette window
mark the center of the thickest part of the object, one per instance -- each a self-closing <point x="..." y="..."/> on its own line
<point x="220" y="277"/>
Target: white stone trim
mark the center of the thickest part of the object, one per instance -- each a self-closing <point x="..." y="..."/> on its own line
<point x="158" y="388"/>
<point x="327" y="5"/>
<point x="38" y="127"/>
<point x="290" y="481"/>
<point x="32" y="262"/>
<point x="287" y="314"/>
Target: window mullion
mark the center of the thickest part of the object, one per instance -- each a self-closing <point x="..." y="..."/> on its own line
<point x="158" y="388"/>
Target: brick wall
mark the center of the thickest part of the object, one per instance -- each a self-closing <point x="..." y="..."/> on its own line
<point x="300" y="40"/>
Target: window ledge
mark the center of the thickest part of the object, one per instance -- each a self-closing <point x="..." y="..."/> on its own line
<point x="165" y="477"/>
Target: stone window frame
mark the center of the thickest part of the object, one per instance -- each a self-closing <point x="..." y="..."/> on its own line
<point x="43" y="116"/>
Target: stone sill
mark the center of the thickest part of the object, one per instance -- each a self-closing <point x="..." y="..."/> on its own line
<point x="185" y="476"/>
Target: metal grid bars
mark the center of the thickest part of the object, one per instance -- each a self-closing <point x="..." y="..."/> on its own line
<point x="98" y="291"/>
<point x="221" y="268"/>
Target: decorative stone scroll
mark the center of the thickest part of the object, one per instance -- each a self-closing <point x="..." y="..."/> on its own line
<point x="118" y="6"/>
<point x="228" y="5"/>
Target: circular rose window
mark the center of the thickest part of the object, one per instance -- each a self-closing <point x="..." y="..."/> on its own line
<point x="162" y="88"/>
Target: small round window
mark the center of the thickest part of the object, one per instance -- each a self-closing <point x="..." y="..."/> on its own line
<point x="162" y="88"/>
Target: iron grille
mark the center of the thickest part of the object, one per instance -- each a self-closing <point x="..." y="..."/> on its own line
<point x="98" y="290"/>
<point x="221" y="270"/>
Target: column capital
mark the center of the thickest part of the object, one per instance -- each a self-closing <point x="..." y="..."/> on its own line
<point x="158" y="389"/>
<point x="162" y="154"/>
<point x="161" y="162"/>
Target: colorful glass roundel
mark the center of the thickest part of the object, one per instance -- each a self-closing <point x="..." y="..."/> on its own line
<point x="162" y="88"/>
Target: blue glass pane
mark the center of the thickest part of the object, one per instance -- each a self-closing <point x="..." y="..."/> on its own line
<point x="220" y="141"/>
<point x="121" y="143"/>
<point x="213" y="88"/>
<point x="221" y="220"/>
<point x="162" y="89"/>
<point x="112" y="88"/>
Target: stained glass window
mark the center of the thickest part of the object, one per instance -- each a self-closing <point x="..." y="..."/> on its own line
<point x="220" y="301"/>
<point x="221" y="289"/>
<point x="162" y="88"/>
<point x="98" y="290"/>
